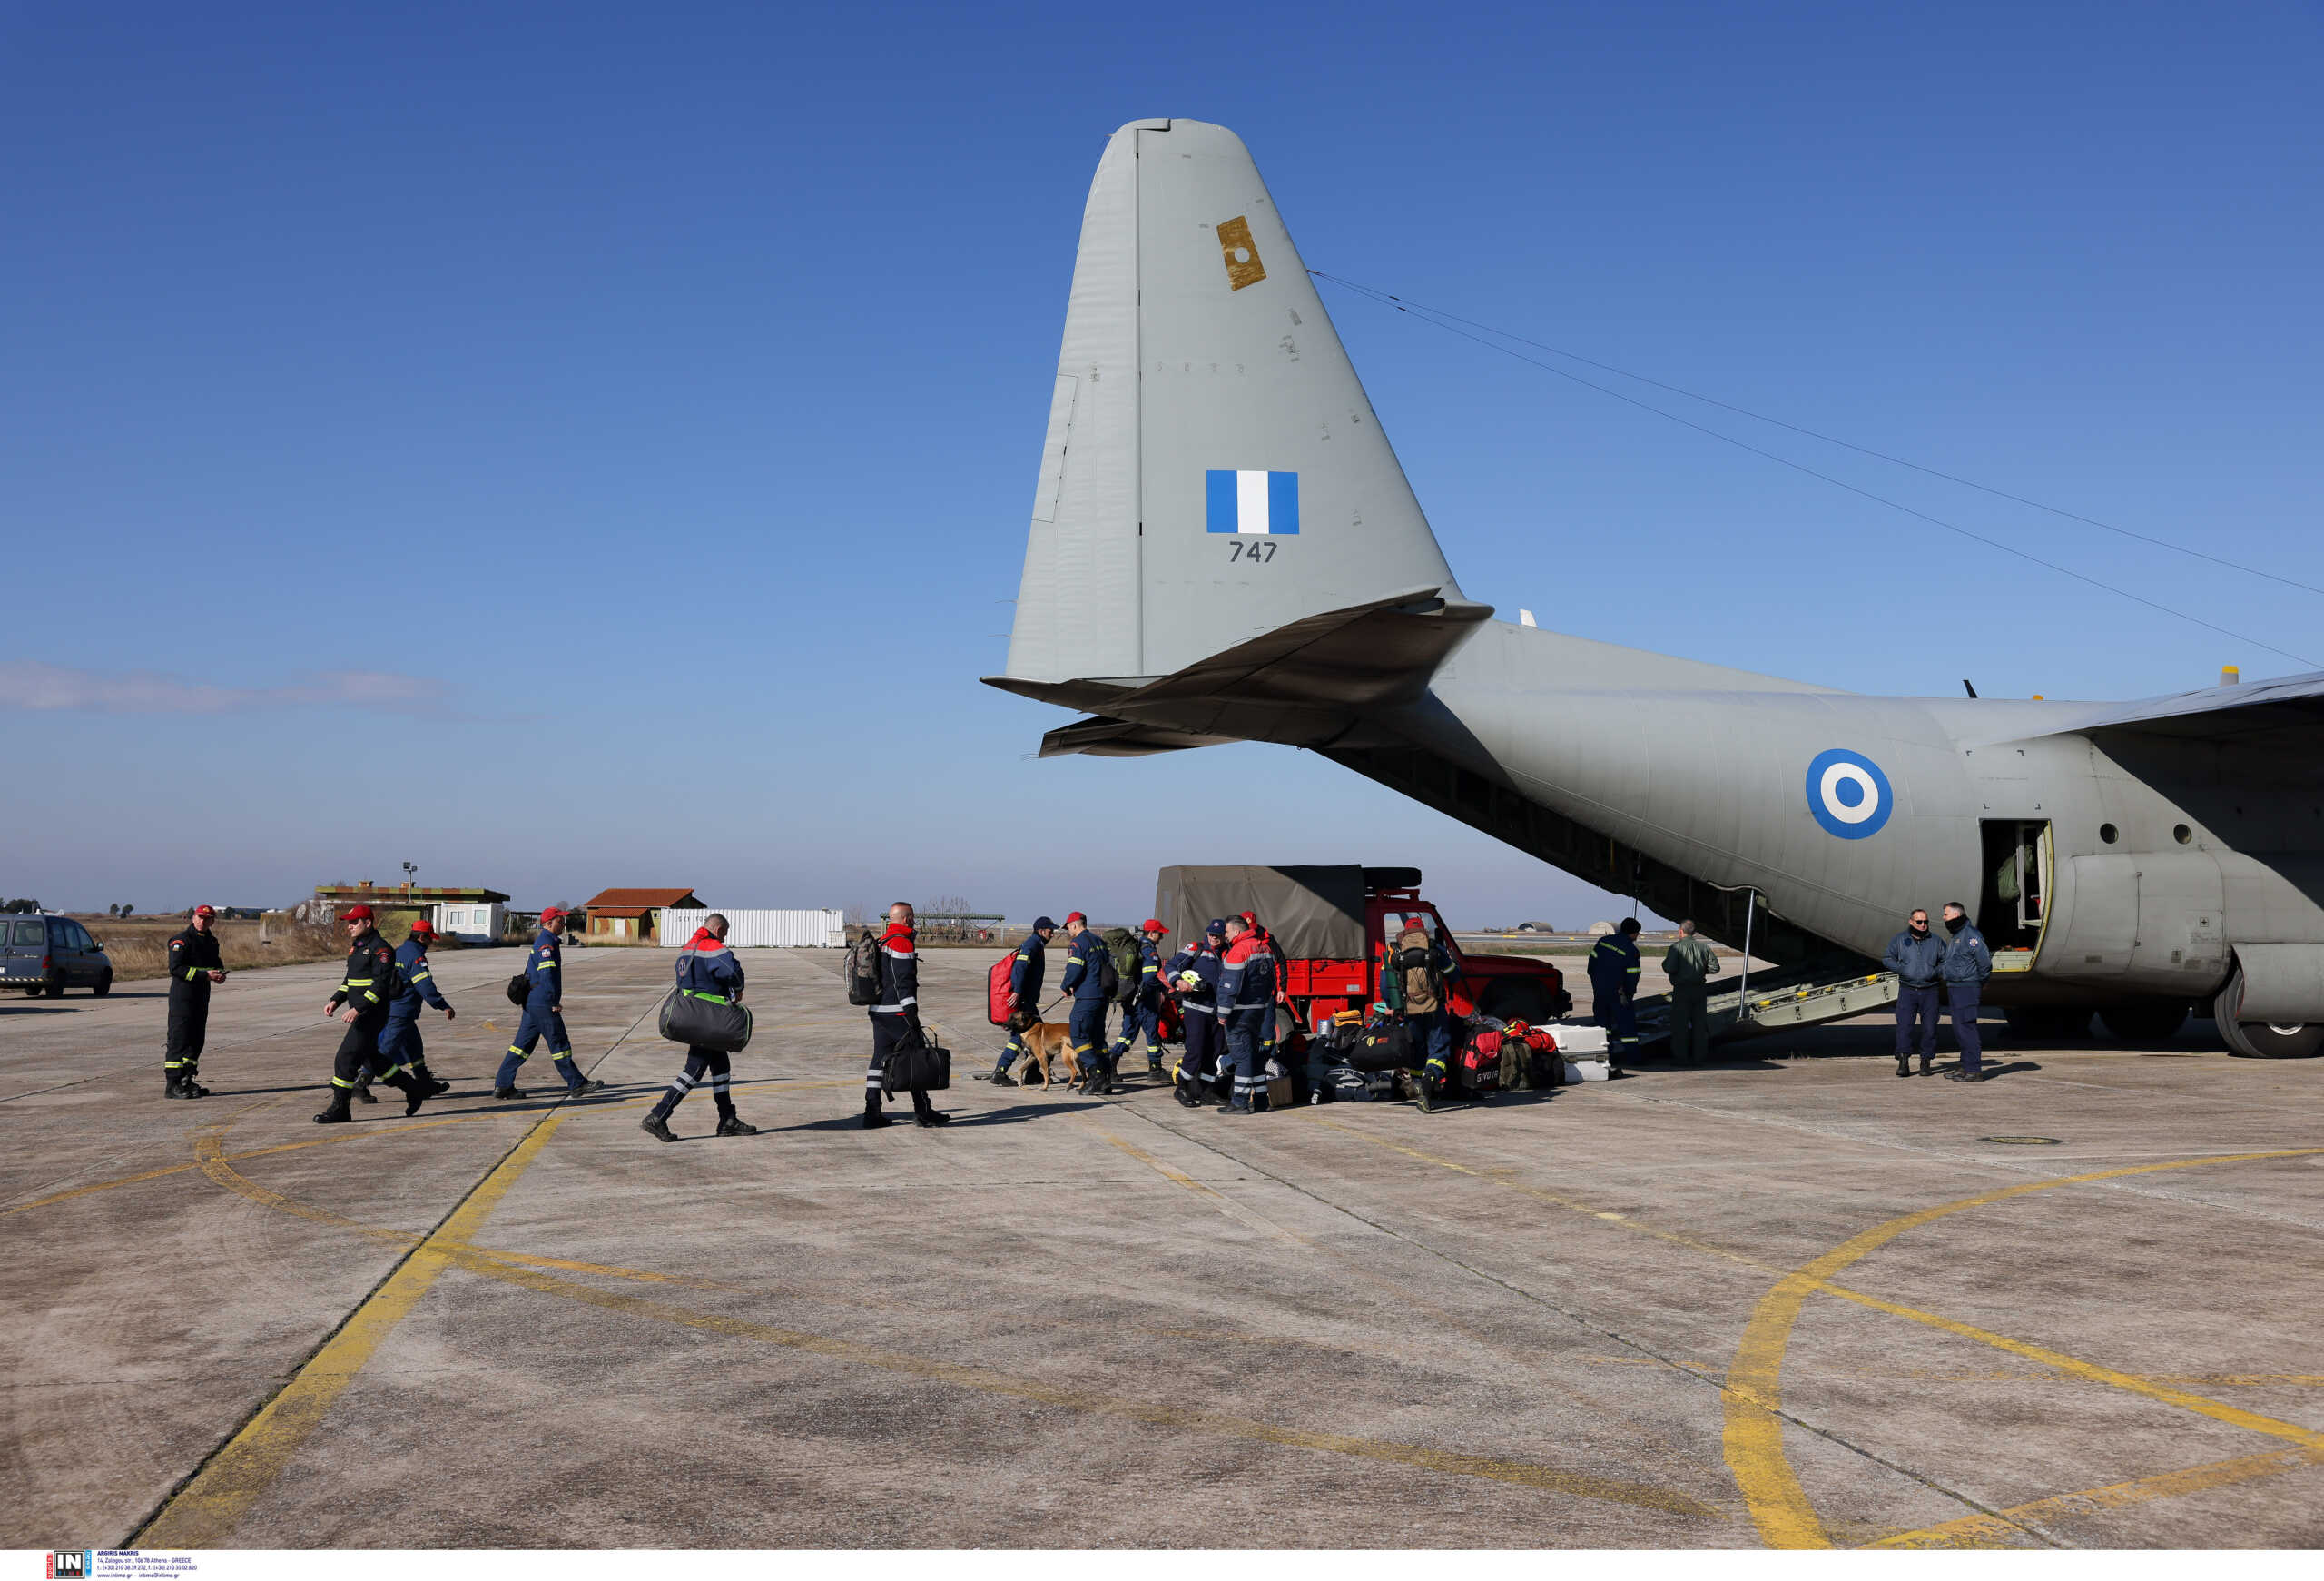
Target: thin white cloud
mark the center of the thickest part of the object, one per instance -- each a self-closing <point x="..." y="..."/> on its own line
<point x="27" y="684"/>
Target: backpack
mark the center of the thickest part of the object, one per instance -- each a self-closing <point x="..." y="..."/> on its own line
<point x="996" y="990"/>
<point x="1117" y="971"/>
<point x="1416" y="976"/>
<point x="864" y="969"/>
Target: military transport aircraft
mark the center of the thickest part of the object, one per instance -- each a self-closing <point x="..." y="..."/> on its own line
<point x="1225" y="548"/>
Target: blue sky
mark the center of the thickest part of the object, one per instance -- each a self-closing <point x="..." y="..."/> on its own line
<point x="568" y="448"/>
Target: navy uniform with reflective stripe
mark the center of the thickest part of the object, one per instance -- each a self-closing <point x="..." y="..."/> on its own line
<point x="1025" y="974"/>
<point x="1247" y="998"/>
<point x="707" y="968"/>
<point x="1198" y="1013"/>
<point x="1144" y="1013"/>
<point x="544" y="971"/>
<point x="1614" y="983"/>
<point x="1085" y="979"/>
<point x="194" y="955"/>
<point x="367" y="987"/>
<point x="400" y="1045"/>
<point x="895" y="1015"/>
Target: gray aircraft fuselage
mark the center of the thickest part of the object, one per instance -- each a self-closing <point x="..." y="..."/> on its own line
<point x="1223" y="547"/>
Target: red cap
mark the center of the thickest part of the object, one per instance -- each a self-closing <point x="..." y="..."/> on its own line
<point x="205" y="911"/>
<point x="421" y="929"/>
<point x="357" y="913"/>
<point x="1153" y="927"/>
<point x="555" y="910"/>
<point x="1074" y="916"/>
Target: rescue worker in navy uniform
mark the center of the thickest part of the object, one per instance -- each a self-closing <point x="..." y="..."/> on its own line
<point x="361" y="1000"/>
<point x="543" y="1016"/>
<point x="1915" y="955"/>
<point x="1267" y="1028"/>
<point x="1967" y="963"/>
<point x="1246" y="989"/>
<point x="895" y="1021"/>
<point x="194" y="965"/>
<point x="1414" y="985"/>
<point x="707" y="968"/>
<point x="1143" y="1011"/>
<point x="1085" y="958"/>
<point x="401" y="1044"/>
<point x="1025" y="974"/>
<point x="1613" y="985"/>
<point x="1193" y="974"/>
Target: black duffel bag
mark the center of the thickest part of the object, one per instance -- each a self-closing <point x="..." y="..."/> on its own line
<point x="706" y="1021"/>
<point x="921" y="1064"/>
<point x="520" y="989"/>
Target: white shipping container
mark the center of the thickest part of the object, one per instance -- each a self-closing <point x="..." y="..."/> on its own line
<point x="761" y="930"/>
<point x="471" y="925"/>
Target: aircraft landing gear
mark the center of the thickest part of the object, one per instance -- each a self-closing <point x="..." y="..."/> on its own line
<point x="2259" y="1039"/>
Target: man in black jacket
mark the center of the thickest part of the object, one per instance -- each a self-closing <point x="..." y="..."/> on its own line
<point x="368" y="985"/>
<point x="895" y="1021"/>
<point x="194" y="965"/>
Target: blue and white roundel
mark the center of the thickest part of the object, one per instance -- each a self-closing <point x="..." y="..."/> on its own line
<point x="1848" y="793"/>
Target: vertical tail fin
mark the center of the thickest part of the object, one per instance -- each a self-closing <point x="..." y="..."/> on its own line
<point x="1212" y="469"/>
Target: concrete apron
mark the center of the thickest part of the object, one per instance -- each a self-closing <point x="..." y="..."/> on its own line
<point x="1796" y="1305"/>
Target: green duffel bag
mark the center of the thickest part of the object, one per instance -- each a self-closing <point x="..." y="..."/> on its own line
<point x="706" y="1021"/>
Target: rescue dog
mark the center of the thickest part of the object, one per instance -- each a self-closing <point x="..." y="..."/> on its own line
<point x="1049" y="1044"/>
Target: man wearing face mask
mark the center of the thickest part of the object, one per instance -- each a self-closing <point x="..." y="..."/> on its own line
<point x="1967" y="964"/>
<point x="1916" y="957"/>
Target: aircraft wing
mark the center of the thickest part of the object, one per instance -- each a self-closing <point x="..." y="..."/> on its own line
<point x="2220" y="713"/>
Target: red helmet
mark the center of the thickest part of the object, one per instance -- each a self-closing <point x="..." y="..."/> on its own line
<point x="357" y="913"/>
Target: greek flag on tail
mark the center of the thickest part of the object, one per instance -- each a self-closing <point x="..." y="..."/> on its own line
<point x="1255" y="502"/>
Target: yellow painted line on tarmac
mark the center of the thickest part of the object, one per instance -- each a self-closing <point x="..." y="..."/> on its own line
<point x="1218" y="1200"/>
<point x="1754" y="1431"/>
<point x="1982" y="1531"/>
<point x="206" y="1511"/>
<point x="255" y="1456"/>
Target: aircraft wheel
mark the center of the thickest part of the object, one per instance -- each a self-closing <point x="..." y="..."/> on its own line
<point x="2259" y="1039"/>
<point x="2146" y="1021"/>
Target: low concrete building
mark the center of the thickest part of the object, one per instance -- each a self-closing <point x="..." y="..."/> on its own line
<point x="633" y="915"/>
<point x="472" y="916"/>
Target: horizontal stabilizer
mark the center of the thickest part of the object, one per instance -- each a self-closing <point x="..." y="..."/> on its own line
<point x="1304" y="684"/>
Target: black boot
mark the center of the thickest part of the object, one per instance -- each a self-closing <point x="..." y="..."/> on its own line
<point x="363" y="1089"/>
<point x="337" y="1113"/>
<point x="436" y="1086"/>
<point x="171" y="1087"/>
<point x="414" y="1095"/>
<point x="508" y="1091"/>
<point x="1904" y="1064"/>
<point x="732" y="1124"/>
<point x="190" y="1088"/>
<point x="873" y="1119"/>
<point x="656" y="1124"/>
<point x="1186" y="1093"/>
<point x="924" y="1113"/>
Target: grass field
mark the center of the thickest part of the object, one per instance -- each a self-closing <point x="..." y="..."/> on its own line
<point x="139" y="947"/>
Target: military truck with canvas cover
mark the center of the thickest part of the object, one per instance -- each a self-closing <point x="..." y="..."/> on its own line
<point x="1336" y="926"/>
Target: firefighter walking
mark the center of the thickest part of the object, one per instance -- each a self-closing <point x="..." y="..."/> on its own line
<point x="194" y="966"/>
<point x="543" y="1016"/>
<point x="400" y="1045"/>
<point x="1142" y="1011"/>
<point x="361" y="1000"/>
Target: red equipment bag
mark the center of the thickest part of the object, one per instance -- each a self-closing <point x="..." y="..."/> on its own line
<point x="1481" y="1063"/>
<point x="996" y="990"/>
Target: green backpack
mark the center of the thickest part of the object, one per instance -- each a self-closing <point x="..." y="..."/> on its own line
<point x="1121" y="946"/>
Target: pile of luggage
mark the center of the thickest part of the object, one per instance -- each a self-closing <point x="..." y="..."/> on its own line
<point x="1372" y="1058"/>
